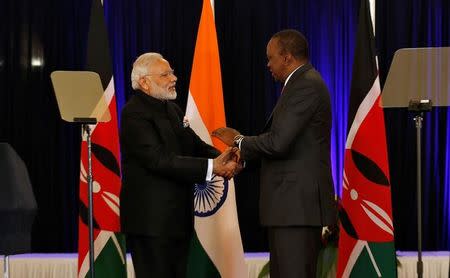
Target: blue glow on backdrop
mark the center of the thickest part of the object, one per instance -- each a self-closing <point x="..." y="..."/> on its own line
<point x="139" y="26"/>
<point x="56" y="32"/>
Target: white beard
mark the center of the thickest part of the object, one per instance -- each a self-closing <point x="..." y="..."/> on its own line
<point x="162" y="93"/>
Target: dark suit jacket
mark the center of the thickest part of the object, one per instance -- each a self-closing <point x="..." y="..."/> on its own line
<point x="296" y="183"/>
<point x="161" y="161"/>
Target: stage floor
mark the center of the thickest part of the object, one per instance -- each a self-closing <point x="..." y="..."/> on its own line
<point x="436" y="265"/>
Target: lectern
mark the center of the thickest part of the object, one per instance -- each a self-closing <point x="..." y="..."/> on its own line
<point x="419" y="80"/>
<point x="80" y="100"/>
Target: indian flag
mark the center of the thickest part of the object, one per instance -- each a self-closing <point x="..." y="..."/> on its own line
<point x="216" y="221"/>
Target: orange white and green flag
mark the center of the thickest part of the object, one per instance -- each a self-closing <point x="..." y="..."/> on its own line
<point x="216" y="222"/>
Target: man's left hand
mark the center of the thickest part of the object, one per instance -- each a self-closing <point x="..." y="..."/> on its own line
<point x="226" y="135"/>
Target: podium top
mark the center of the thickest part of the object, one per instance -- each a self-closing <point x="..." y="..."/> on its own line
<point x="80" y="95"/>
<point x="417" y="74"/>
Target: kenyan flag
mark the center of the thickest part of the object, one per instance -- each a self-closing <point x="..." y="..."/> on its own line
<point x="109" y="249"/>
<point x="366" y="243"/>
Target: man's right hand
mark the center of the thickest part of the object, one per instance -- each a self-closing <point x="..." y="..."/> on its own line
<point x="227" y="164"/>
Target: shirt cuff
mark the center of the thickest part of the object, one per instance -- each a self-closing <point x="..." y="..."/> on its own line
<point x="210" y="170"/>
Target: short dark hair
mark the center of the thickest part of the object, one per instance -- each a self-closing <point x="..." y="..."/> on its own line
<point x="293" y="42"/>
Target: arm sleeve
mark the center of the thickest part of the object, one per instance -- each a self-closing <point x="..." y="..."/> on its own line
<point x="141" y="141"/>
<point x="287" y="123"/>
<point x="201" y="147"/>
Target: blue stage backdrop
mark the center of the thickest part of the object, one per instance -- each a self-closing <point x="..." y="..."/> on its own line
<point x="42" y="37"/>
<point x="169" y="27"/>
<point x="244" y="28"/>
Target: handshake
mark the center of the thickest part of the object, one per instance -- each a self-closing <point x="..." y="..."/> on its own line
<point x="229" y="162"/>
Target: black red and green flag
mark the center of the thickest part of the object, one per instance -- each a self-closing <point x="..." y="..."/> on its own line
<point x="366" y="242"/>
<point x="109" y="244"/>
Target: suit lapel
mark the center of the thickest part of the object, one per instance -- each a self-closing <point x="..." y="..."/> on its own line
<point x="269" y="120"/>
<point x="285" y="89"/>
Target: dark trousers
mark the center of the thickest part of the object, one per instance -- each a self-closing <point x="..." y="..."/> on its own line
<point x="294" y="251"/>
<point x="159" y="257"/>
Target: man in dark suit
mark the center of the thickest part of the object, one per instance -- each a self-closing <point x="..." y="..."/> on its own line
<point x="162" y="158"/>
<point x="296" y="193"/>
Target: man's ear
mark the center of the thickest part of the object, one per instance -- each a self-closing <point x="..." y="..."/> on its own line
<point x="287" y="59"/>
<point x="143" y="84"/>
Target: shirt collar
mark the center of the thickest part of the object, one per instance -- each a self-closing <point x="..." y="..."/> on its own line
<point x="289" y="76"/>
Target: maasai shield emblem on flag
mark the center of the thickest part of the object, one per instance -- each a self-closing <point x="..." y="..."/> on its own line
<point x="366" y="243"/>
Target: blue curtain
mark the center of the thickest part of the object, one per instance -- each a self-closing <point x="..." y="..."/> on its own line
<point x="244" y="28"/>
<point x="417" y="23"/>
<point x="56" y="31"/>
<point x="38" y="37"/>
<point x="330" y="27"/>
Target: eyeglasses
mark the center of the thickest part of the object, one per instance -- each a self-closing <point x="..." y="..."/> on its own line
<point x="163" y="75"/>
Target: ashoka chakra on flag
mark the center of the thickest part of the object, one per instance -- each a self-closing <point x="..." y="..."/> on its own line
<point x="210" y="196"/>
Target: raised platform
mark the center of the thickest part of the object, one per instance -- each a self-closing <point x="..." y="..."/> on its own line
<point x="436" y="265"/>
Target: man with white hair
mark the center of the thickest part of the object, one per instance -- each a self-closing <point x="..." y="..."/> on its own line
<point x="162" y="158"/>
